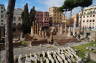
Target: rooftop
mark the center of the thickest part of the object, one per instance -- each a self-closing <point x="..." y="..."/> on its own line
<point x="90" y="7"/>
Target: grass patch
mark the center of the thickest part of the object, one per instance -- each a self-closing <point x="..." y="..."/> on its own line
<point x="24" y="42"/>
<point x="81" y="49"/>
<point x="91" y="62"/>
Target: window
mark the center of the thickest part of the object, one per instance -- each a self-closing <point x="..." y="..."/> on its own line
<point x="93" y="20"/>
<point x="1" y="11"/>
<point x="1" y="7"/>
<point x="1" y="23"/>
<point x="93" y="15"/>
<point x="1" y="16"/>
<point x="83" y="20"/>
<point x="19" y="19"/>
<point x="93" y="11"/>
<point x="87" y="20"/>
<point x="83" y="16"/>
<point x="90" y="15"/>
<point x="90" y="20"/>
<point x="14" y="24"/>
<point x="14" y="18"/>
<point x="1" y="20"/>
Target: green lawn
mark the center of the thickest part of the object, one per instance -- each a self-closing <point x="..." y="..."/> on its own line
<point x="91" y="62"/>
<point x="82" y="49"/>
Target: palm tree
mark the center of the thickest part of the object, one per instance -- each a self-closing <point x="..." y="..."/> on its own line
<point x="8" y="32"/>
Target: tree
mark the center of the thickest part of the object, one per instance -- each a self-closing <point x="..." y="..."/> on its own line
<point x="0" y="33"/>
<point x="68" y="5"/>
<point x="8" y="32"/>
<point x="25" y="20"/>
<point x="32" y="15"/>
<point x="32" y="19"/>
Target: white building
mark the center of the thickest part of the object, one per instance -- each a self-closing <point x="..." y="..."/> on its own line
<point x="88" y="19"/>
<point x="2" y="15"/>
<point x="17" y="20"/>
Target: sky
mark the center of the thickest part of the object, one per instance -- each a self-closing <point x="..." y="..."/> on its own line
<point x="41" y="5"/>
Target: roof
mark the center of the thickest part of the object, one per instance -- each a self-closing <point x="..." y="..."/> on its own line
<point x="90" y="7"/>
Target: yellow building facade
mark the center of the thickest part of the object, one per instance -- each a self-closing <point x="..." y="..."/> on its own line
<point x="56" y="16"/>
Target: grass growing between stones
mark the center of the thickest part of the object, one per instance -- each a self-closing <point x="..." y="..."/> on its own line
<point x="24" y="43"/>
<point x="81" y="49"/>
<point x="91" y="62"/>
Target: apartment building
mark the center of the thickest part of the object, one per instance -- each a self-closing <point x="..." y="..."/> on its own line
<point x="17" y="20"/>
<point x="87" y="20"/>
<point x="2" y="15"/>
<point x="42" y="18"/>
<point x="56" y="16"/>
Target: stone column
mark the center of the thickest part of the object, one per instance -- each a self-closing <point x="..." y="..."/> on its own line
<point x="32" y="32"/>
<point x="60" y="30"/>
<point x="69" y="32"/>
<point x="38" y="29"/>
<point x="44" y="34"/>
<point x="33" y="28"/>
<point x="41" y="33"/>
<point x="74" y="28"/>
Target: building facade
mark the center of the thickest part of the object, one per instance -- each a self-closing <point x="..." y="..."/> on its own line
<point x="2" y="15"/>
<point x="56" y="16"/>
<point x="17" y="20"/>
<point x="58" y="19"/>
<point x="75" y="20"/>
<point x="42" y="20"/>
<point x="16" y="17"/>
<point x="87" y="20"/>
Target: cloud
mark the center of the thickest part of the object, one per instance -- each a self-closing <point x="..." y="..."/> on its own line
<point x="51" y="3"/>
